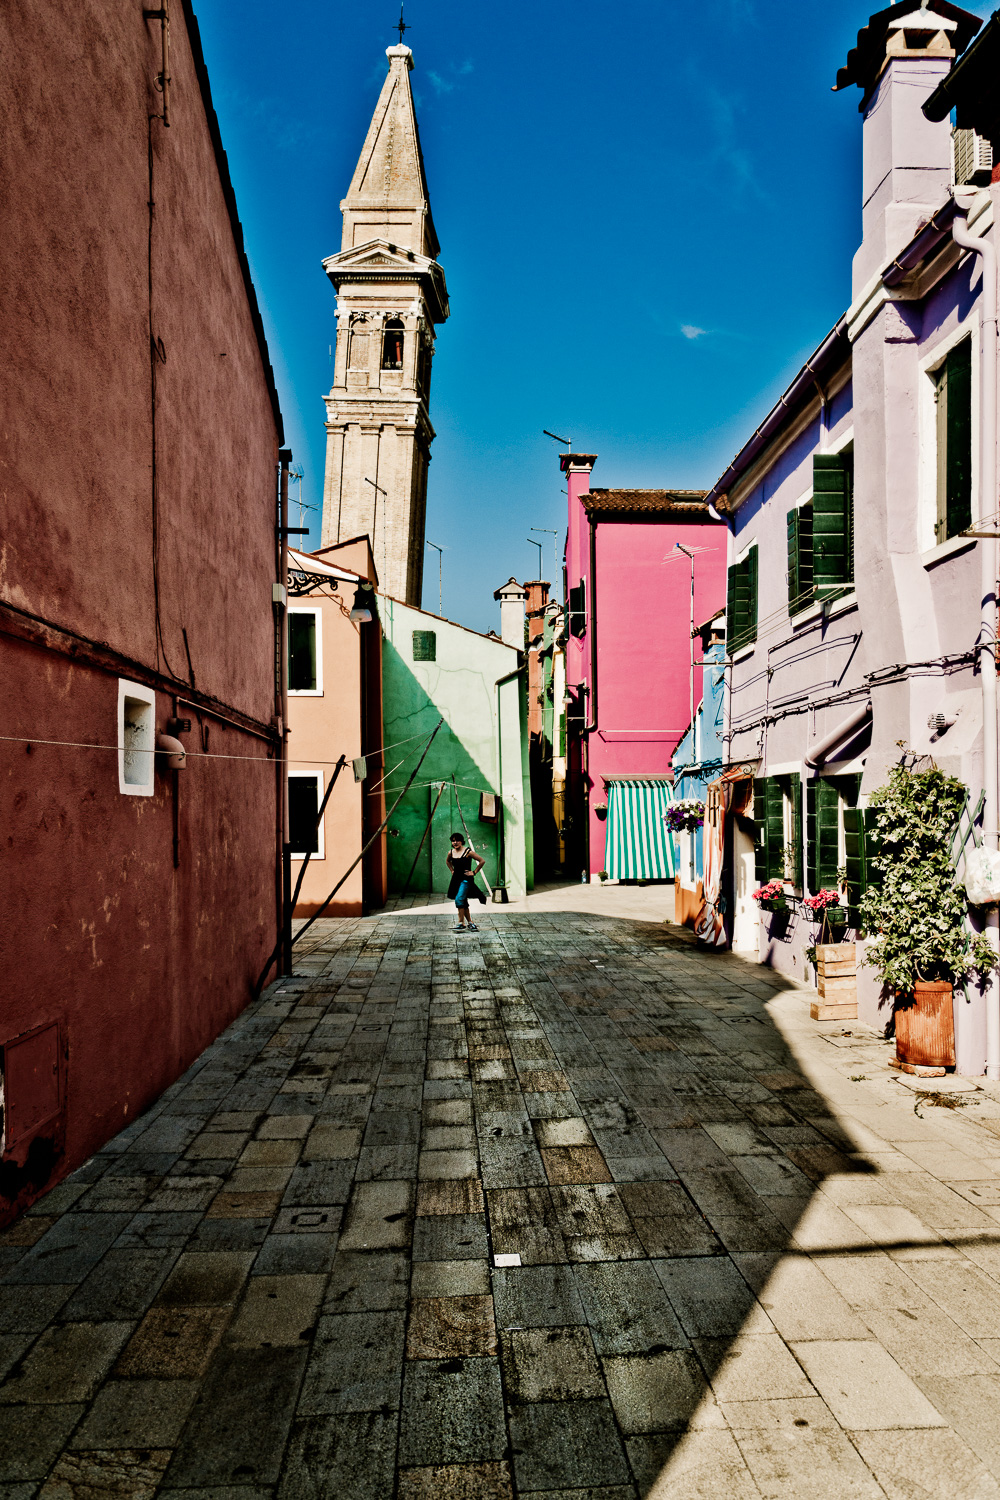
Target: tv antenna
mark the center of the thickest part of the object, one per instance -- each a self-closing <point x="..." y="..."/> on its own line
<point x="548" y="530"/>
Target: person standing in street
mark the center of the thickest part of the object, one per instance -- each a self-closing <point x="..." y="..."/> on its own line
<point x="464" y="864"/>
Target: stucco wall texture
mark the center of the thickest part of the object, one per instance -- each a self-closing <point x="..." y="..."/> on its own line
<point x="141" y="963"/>
<point x="482" y="754"/>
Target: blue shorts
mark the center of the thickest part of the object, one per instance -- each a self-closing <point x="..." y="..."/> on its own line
<point x="464" y="892"/>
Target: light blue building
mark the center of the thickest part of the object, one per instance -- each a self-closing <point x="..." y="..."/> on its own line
<point x="698" y="758"/>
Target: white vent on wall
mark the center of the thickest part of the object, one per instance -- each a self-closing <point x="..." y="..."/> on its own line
<point x="136" y="739"/>
<point x="973" y="158"/>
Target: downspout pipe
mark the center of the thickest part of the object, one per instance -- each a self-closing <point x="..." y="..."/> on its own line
<point x="839" y="736"/>
<point x="986" y="644"/>
<point x="591" y="725"/>
<point x="287" y="957"/>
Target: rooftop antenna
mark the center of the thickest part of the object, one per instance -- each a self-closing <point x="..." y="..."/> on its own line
<point x="532" y="543"/>
<point x="401" y="25"/>
<point x="548" y="530"/>
<point x="440" y="552"/>
<point x="556" y="438"/>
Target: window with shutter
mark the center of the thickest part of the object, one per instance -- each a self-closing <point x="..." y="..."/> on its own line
<point x="578" y="609"/>
<point x="822" y="833"/>
<point x="794" y="794"/>
<point x="777" y="802"/>
<point x="741" y="603"/>
<point x="953" y="397"/>
<point x="760" y="853"/>
<point x="832" y="523"/>
<point x="861" y="842"/>
<point x="775" y="816"/>
<point x="800" y="558"/>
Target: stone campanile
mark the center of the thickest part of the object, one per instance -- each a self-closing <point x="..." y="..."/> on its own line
<point x="391" y="293"/>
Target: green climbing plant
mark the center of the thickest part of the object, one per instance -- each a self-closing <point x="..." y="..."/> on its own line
<point x="915" y="912"/>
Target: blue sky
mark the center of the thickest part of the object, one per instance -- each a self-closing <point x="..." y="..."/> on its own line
<point x="647" y="214"/>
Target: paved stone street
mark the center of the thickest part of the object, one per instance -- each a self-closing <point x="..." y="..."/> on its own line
<point x="752" y="1261"/>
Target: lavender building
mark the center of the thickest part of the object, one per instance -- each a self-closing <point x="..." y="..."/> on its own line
<point x="859" y="594"/>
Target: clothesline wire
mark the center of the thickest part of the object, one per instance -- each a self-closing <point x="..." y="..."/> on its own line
<point x="270" y="760"/>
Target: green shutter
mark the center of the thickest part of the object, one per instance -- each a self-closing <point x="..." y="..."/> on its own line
<point x="800" y="558"/>
<point x="827" y="833"/>
<point x="861" y="841"/>
<point x="823" y="833"/>
<point x="731" y="607"/>
<point x="831" y="522"/>
<point x="958" y="468"/>
<point x="760" y="853"/>
<point x="795" y="790"/>
<point x="741" y="603"/>
<point x="750" y="563"/>
<point x="775" y="815"/>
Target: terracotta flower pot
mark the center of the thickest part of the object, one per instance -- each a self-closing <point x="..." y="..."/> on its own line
<point x="925" y="1027"/>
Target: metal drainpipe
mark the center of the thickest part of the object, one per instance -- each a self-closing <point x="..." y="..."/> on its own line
<point x="988" y="560"/>
<point x="287" y="958"/>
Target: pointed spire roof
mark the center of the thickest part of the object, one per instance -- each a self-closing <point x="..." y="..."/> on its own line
<point x="388" y="197"/>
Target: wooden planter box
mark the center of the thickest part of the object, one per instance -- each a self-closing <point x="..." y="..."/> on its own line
<point x="836" y="983"/>
<point x="925" y="1030"/>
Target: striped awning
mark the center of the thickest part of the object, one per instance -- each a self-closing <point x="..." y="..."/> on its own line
<point x="638" y="845"/>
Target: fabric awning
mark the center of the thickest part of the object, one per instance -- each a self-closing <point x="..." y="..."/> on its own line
<point x="638" y="846"/>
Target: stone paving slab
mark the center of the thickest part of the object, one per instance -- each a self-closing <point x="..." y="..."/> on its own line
<point x="753" y="1263"/>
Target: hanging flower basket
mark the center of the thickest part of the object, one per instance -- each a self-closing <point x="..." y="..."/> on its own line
<point x="685" y="816"/>
<point x="827" y="910"/>
<point x="771" y="897"/>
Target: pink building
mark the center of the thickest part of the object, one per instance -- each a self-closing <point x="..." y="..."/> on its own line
<point x="628" y="660"/>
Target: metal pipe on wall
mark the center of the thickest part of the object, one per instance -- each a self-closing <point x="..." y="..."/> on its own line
<point x="287" y="959"/>
<point x="988" y="560"/>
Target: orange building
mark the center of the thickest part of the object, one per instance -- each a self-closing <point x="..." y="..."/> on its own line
<point x="334" y="714"/>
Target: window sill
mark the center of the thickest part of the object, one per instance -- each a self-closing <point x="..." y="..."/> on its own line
<point x="841" y="606"/>
<point x="744" y="652"/>
<point x="305" y="692"/>
<point x="950" y="548"/>
<point x="805" y="616"/>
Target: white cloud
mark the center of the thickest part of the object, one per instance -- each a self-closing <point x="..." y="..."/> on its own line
<point x="692" y="331"/>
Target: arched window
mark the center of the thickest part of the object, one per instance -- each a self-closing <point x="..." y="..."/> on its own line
<point x="359" y="345"/>
<point x="392" y="345"/>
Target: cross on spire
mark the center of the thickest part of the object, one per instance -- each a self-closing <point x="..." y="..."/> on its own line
<point x="401" y="25"/>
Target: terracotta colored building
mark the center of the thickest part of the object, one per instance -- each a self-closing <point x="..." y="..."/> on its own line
<point x="140" y="553"/>
<point x="334" y="710"/>
<point x="628" y="660"/>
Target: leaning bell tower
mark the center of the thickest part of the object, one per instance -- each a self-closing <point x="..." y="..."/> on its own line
<point x="391" y="294"/>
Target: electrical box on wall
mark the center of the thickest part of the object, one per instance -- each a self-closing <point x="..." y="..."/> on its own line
<point x="32" y="1084"/>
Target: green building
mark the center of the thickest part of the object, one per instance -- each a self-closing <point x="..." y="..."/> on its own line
<point x="475" y="778"/>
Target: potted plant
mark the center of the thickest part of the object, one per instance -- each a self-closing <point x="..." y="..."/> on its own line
<point x="602" y="876"/>
<point x="771" y="896"/>
<point x="916" y="913"/>
<point x="827" y="910"/>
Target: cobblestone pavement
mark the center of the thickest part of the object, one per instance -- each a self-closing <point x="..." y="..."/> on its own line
<point x="752" y="1262"/>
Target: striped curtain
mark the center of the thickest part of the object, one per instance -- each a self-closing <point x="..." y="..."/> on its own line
<point x="637" y="845"/>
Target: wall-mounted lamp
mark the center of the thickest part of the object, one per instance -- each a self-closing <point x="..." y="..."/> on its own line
<point x="361" y="612"/>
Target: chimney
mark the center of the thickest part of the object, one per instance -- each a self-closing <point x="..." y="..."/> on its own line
<point x="577" y="468"/>
<point x="512" y="597"/>
<point x="900" y="58"/>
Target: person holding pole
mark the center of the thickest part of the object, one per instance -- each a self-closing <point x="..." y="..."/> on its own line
<point x="464" y="864"/>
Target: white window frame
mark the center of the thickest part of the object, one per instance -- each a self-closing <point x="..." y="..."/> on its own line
<point x="143" y="741"/>
<point x="316" y="776"/>
<point x="927" y="460"/>
<point x="317" y="691"/>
